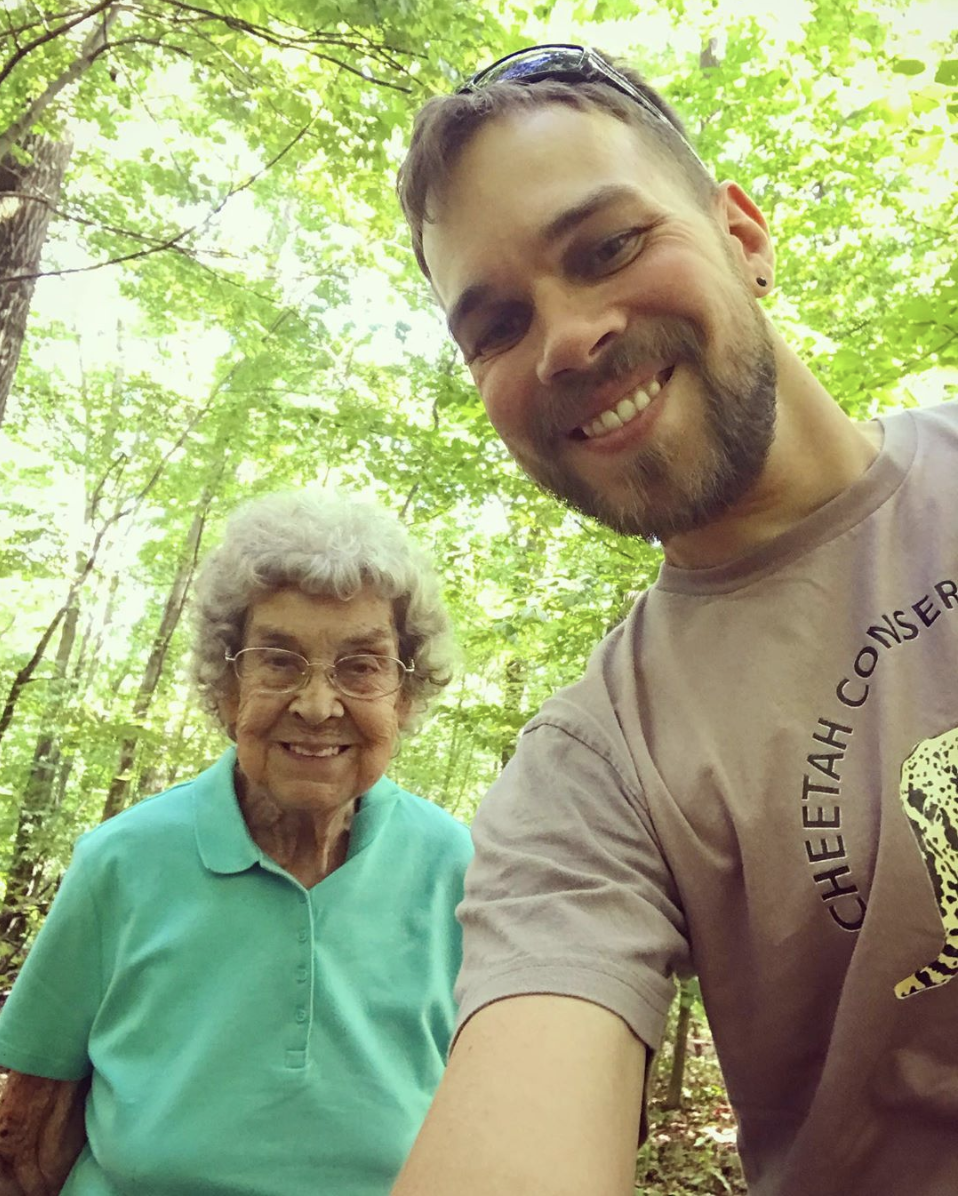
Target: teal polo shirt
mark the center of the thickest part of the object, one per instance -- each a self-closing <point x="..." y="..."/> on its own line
<point x="244" y="1034"/>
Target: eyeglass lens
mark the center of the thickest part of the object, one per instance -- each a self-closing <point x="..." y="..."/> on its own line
<point x="361" y="675"/>
<point x="522" y="65"/>
<point x="559" y="60"/>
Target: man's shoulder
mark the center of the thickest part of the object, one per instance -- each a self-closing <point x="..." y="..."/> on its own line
<point x="941" y="419"/>
<point x="596" y="714"/>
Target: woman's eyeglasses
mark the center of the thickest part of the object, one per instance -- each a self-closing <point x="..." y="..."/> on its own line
<point x="364" y="675"/>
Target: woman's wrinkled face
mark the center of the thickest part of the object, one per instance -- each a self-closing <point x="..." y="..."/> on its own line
<point x="314" y="750"/>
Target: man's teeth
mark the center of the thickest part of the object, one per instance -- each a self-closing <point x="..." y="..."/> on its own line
<point x="295" y="748"/>
<point x="624" y="411"/>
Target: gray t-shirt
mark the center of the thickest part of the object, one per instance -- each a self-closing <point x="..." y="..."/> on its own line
<point x="757" y="781"/>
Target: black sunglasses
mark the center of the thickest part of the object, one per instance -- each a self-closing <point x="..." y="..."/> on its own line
<point x="566" y="64"/>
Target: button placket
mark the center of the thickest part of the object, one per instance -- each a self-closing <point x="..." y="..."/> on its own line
<point x="303" y="995"/>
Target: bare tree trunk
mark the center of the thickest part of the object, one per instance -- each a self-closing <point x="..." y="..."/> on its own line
<point x="673" y="1097"/>
<point x="452" y="752"/>
<point x="25" y="674"/>
<point x="28" y="889"/>
<point x="84" y="567"/>
<point x="120" y="785"/>
<point x="513" y="692"/>
<point x="87" y="657"/>
<point x="516" y="670"/>
<point x="28" y="190"/>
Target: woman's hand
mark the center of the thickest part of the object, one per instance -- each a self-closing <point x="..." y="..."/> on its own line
<point x="41" y="1133"/>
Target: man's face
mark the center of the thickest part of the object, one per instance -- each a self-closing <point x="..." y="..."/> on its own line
<point x="606" y="319"/>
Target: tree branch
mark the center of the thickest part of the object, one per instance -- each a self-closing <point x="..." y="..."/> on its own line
<point x="91" y="47"/>
<point x="305" y="42"/>
<point x="144" y="238"/>
<point x="908" y="367"/>
<point x="40" y="23"/>
<point x="171" y="242"/>
<point x="85" y="221"/>
<point x="135" y="40"/>
<point x="50" y="35"/>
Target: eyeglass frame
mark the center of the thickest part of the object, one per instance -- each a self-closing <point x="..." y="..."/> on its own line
<point x="328" y="671"/>
<point x="588" y="60"/>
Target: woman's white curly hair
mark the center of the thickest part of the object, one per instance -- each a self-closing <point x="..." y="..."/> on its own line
<point x="323" y="543"/>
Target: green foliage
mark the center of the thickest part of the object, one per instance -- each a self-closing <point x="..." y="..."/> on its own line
<point x="264" y="326"/>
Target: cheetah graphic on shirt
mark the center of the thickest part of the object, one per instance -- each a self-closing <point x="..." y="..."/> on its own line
<point x="929" y="793"/>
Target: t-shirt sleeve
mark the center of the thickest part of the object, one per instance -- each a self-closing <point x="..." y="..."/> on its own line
<point x="568" y="893"/>
<point x="46" y="1021"/>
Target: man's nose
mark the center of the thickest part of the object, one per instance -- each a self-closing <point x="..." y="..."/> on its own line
<point x="577" y="327"/>
<point x="318" y="699"/>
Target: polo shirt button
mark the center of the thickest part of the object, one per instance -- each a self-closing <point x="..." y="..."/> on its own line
<point x="301" y="1014"/>
<point x="301" y="975"/>
<point x="303" y="936"/>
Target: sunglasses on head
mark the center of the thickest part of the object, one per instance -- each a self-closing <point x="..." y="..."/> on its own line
<point x="563" y="63"/>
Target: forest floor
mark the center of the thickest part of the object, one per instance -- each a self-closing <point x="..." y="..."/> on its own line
<point x="691" y="1151"/>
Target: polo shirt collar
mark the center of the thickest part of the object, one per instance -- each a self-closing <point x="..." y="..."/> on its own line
<point x="372" y="815"/>
<point x="223" y="840"/>
<point x="224" y="843"/>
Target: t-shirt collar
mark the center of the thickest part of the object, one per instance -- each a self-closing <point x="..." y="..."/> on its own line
<point x="873" y="488"/>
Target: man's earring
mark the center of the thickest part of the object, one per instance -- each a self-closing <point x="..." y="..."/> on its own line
<point x="762" y="282"/>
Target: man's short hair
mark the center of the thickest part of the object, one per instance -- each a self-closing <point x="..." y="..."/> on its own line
<point x="445" y="125"/>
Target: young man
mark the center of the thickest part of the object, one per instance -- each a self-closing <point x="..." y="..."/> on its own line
<point x="757" y="778"/>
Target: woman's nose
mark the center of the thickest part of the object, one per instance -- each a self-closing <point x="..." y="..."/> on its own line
<point x="318" y="699"/>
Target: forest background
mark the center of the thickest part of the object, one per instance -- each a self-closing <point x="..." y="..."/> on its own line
<point x="207" y="293"/>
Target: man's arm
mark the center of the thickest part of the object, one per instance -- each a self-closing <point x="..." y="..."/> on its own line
<point x="41" y="1133"/>
<point x="542" y="1097"/>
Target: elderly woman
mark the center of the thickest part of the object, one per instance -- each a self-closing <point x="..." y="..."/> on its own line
<point x="251" y="973"/>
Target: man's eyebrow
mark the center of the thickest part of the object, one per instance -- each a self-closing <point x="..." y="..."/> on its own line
<point x="602" y="197"/>
<point x="471" y="298"/>
<point x="481" y="293"/>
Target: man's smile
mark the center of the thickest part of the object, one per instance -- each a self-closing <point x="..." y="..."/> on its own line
<point x="623" y="410"/>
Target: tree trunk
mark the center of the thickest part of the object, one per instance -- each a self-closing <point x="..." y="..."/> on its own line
<point x="515" y="674"/>
<point x="28" y="889"/>
<point x="120" y="785"/>
<point x="28" y="190"/>
<point x="28" y="193"/>
<point x="84" y="567"/>
<point x="673" y="1097"/>
<point x="25" y="674"/>
<point x="513" y="692"/>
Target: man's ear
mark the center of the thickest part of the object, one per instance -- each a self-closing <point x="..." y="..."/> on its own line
<point x="751" y="242"/>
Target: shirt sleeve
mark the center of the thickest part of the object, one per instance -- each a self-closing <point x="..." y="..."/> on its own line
<point x="45" y="1024"/>
<point x="569" y="893"/>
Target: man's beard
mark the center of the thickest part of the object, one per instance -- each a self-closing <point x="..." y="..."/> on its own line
<point x="655" y="500"/>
